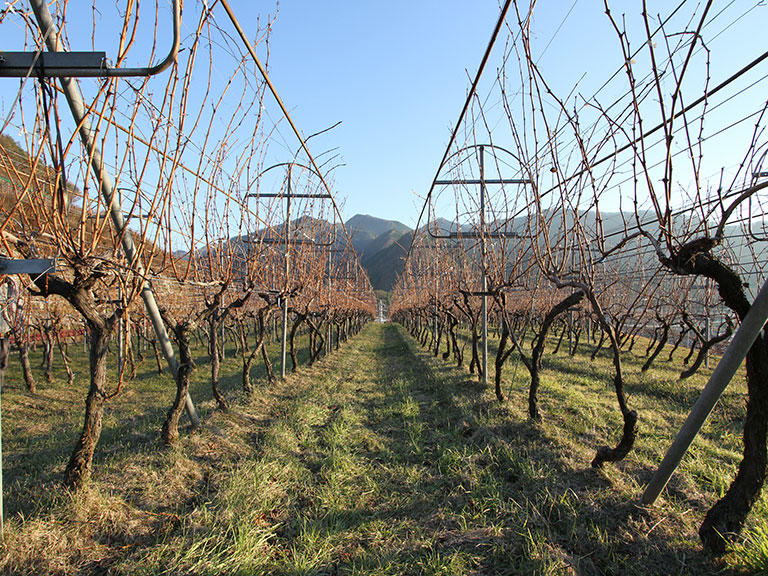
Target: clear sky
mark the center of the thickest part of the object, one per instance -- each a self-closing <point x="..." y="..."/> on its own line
<point x="396" y="74"/>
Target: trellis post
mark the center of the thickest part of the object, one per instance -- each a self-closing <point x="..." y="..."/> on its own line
<point x="76" y="106"/>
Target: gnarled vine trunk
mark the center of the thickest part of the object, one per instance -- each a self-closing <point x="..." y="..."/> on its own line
<point x="170" y="430"/>
<point x="725" y="520"/>
<point x="78" y="470"/>
<point x="26" y="368"/>
<point x="214" y="326"/>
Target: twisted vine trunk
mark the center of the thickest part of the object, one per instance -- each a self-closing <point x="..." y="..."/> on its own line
<point x="247" y="356"/>
<point x="268" y="365"/>
<point x="78" y="470"/>
<point x="534" y="366"/>
<point x="659" y="347"/>
<point x="458" y="351"/>
<point x="62" y="346"/>
<point x="475" y="362"/>
<point x="292" y="341"/>
<point x="576" y="338"/>
<point x="502" y="353"/>
<point x="683" y="331"/>
<point x="317" y="342"/>
<point x="725" y="520"/>
<point x="170" y="430"/>
<point x="214" y="341"/>
<point x="47" y="355"/>
<point x="26" y="368"/>
<point x="157" y="356"/>
<point x="438" y="338"/>
<point x="703" y="351"/>
<point x="560" y="339"/>
<point x="100" y="330"/>
<point x="629" y="432"/>
<point x="447" y="353"/>
<point x="599" y="346"/>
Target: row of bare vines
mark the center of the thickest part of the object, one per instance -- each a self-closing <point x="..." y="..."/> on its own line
<point x="188" y="155"/>
<point x="624" y="211"/>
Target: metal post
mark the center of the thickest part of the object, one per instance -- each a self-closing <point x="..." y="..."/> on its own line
<point x="121" y="335"/>
<point x="328" y="344"/>
<point x="121" y="321"/>
<point x="484" y="236"/>
<point x="482" y="265"/>
<point x="707" y="328"/>
<point x="734" y="355"/>
<point x="570" y="316"/>
<point x="287" y="229"/>
<point x="2" y="532"/>
<point x="434" y="324"/>
<point x="76" y="106"/>
<point x="223" y="349"/>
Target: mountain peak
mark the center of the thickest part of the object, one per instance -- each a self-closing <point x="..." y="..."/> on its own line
<point x="379" y="245"/>
<point x="373" y="226"/>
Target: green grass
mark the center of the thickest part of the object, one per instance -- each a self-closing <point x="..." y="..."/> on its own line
<point x="752" y="554"/>
<point x="378" y="460"/>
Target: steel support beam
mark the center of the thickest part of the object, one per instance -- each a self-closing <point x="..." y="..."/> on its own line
<point x="60" y="64"/>
<point x="734" y="355"/>
<point x="76" y="106"/>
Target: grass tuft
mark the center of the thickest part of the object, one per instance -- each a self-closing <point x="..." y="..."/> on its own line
<point x="752" y="554"/>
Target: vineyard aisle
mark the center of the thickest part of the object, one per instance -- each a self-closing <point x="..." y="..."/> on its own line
<point x="378" y="460"/>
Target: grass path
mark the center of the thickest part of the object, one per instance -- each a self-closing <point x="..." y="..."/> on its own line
<point x="377" y="460"/>
<point x="384" y="461"/>
<point x="384" y="489"/>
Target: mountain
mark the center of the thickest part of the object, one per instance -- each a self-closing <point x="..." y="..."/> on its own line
<point x="365" y="230"/>
<point x="383" y="242"/>
<point x="385" y="265"/>
<point x="381" y="246"/>
<point x="441" y="226"/>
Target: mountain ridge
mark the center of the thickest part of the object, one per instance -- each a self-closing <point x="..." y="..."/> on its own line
<point x="381" y="246"/>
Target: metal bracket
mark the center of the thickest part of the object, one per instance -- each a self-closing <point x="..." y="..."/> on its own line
<point x="59" y="63"/>
<point x="479" y="181"/>
<point x="19" y="64"/>
<point x="477" y="235"/>
<point x="27" y="266"/>
<point x="298" y="241"/>
<point x="292" y="195"/>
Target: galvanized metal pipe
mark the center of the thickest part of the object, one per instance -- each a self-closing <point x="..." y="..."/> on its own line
<point x="483" y="265"/>
<point x="734" y="355"/>
<point x="88" y="64"/>
<point x="287" y="229"/>
<point x="76" y="106"/>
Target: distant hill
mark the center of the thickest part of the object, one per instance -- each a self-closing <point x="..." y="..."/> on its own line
<point x="365" y="230"/>
<point x="383" y="242"/>
<point x="387" y="264"/>
<point x="381" y="246"/>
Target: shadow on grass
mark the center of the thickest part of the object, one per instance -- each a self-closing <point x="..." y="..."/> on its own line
<point x="37" y="446"/>
<point x="463" y="487"/>
<point x="568" y="519"/>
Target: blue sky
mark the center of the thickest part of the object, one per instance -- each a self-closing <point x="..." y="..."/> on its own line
<point x="396" y="75"/>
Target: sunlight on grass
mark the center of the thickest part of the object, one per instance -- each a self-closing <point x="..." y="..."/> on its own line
<point x="379" y="460"/>
<point x="752" y="554"/>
